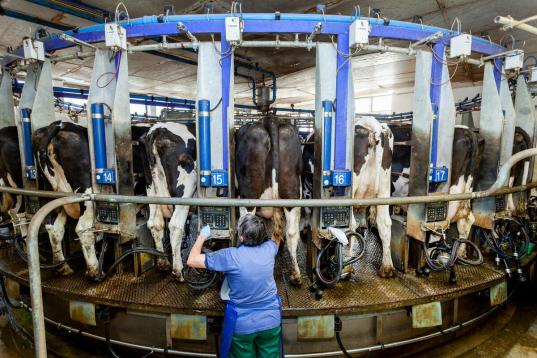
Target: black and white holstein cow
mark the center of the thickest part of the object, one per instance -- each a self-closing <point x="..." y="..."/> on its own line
<point x="268" y="165"/>
<point x="373" y="145"/>
<point x="10" y="170"/>
<point x="62" y="153"/>
<point x="170" y="171"/>
<point x="466" y="158"/>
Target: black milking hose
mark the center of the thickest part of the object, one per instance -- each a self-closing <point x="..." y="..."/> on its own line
<point x="318" y="269"/>
<point x="338" y="327"/>
<point x="6" y="297"/>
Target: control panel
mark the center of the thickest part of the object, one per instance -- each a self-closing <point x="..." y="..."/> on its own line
<point x="335" y="216"/>
<point x="500" y="203"/>
<point x="436" y="212"/>
<point x="107" y="213"/>
<point x="216" y="217"/>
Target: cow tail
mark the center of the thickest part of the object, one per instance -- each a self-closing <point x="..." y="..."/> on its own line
<point x="277" y="220"/>
<point x="275" y="144"/>
<point x="475" y="156"/>
<point x="147" y="157"/>
<point x="41" y="141"/>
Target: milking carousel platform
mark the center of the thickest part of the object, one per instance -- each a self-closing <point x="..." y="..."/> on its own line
<point x="160" y="292"/>
<point x="376" y="313"/>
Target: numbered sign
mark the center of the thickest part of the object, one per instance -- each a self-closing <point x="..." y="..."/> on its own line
<point x="31" y="173"/>
<point x="341" y="178"/>
<point x="438" y="175"/>
<point x="106" y="176"/>
<point x="219" y="178"/>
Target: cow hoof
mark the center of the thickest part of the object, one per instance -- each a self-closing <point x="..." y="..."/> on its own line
<point x="386" y="272"/>
<point x="94" y="275"/>
<point x="178" y="275"/>
<point x="347" y="272"/>
<point x="64" y="270"/>
<point x="163" y="264"/>
<point x="296" y="280"/>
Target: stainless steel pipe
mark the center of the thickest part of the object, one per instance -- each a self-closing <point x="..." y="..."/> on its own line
<point x="34" y="271"/>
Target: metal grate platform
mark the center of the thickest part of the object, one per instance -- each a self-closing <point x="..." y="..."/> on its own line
<point x="159" y="292"/>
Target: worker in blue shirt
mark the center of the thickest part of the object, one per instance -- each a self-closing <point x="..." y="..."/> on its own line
<point x="252" y="319"/>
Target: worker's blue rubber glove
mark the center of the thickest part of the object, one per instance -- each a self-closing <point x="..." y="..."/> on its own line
<point x="205" y="232"/>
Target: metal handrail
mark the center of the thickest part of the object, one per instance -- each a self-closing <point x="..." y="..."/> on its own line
<point x="496" y="189"/>
<point x="71" y="198"/>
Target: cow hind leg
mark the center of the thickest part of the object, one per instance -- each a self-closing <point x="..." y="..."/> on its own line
<point x="86" y="235"/>
<point x="155" y="224"/>
<point x="177" y="230"/>
<point x="464" y="225"/>
<point x="293" y="237"/>
<point x="384" y="225"/>
<point x="56" y="233"/>
<point x="348" y="251"/>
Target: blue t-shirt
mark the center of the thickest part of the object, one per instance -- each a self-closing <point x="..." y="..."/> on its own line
<point x="250" y="275"/>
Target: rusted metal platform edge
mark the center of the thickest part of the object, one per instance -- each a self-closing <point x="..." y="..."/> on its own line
<point x="287" y="311"/>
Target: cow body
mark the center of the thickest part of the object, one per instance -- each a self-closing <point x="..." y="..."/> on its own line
<point x="62" y="153"/>
<point x="466" y="157"/>
<point x="170" y="171"/>
<point x="373" y="146"/>
<point x="519" y="172"/>
<point x="10" y="169"/>
<point x="268" y="164"/>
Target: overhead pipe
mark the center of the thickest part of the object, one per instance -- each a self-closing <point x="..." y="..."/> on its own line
<point x="143" y="20"/>
<point x="510" y="23"/>
<point x="35" y="20"/>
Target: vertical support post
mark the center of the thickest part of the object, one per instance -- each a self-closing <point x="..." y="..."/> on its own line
<point x="327" y="141"/>
<point x="435" y="93"/>
<point x="29" y="167"/>
<point x="99" y="136"/>
<point x="491" y="126"/>
<point x="7" y="106"/>
<point x="421" y="139"/>
<point x="525" y="119"/>
<point x="204" y="108"/>
<point x="214" y="130"/>
<point x="37" y="110"/>
<point x="227" y="87"/>
<point x="341" y="175"/>
<point x="122" y="148"/>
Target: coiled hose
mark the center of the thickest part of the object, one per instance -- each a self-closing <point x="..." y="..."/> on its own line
<point x="326" y="261"/>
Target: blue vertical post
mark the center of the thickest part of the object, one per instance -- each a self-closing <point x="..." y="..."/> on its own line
<point x="341" y="176"/>
<point x="327" y="141"/>
<point x="226" y="85"/>
<point x="27" y="138"/>
<point x="498" y="65"/>
<point x="435" y="92"/>
<point x="342" y="83"/>
<point x="204" y="127"/>
<point x="99" y="137"/>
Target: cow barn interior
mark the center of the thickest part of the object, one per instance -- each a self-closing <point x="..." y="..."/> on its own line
<point x="387" y="148"/>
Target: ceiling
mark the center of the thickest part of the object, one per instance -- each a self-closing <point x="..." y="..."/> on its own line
<point x="374" y="74"/>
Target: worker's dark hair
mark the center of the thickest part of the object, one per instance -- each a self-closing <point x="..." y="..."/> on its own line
<point x="252" y="230"/>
